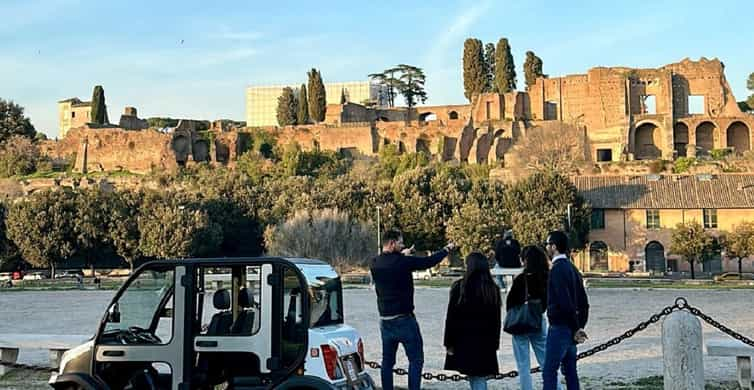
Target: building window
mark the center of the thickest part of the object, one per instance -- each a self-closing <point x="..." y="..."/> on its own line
<point x="653" y="219"/>
<point x="604" y="155"/>
<point x="73" y="114"/>
<point x="598" y="218"/>
<point x="710" y="218"/>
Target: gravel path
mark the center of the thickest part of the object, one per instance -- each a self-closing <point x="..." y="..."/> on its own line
<point x="612" y="312"/>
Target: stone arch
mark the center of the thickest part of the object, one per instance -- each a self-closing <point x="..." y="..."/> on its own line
<point x="483" y="146"/>
<point x="422" y="146"/>
<point x="680" y="138"/>
<point x="499" y="133"/>
<point x="222" y="152"/>
<point x="468" y="136"/>
<point x="598" y="259"/>
<point x="647" y="141"/>
<point x="738" y="137"/>
<point x="502" y="146"/>
<point x="654" y="257"/>
<point x="427" y="116"/>
<point x="182" y="148"/>
<point x="453" y="115"/>
<point x="705" y="137"/>
<point x="201" y="150"/>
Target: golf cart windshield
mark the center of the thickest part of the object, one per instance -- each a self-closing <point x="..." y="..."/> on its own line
<point x="326" y="294"/>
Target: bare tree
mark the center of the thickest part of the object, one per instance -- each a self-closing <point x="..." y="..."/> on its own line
<point x="329" y="234"/>
<point x="553" y="146"/>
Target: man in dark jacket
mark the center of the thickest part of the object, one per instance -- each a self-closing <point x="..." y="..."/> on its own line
<point x="394" y="284"/>
<point x="567" y="311"/>
<point x="507" y="255"/>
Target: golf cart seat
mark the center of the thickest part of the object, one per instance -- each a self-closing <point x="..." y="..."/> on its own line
<point x="223" y="319"/>
<point x="244" y="324"/>
<point x="210" y="365"/>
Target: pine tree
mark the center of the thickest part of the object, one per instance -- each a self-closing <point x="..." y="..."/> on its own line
<point x="317" y="98"/>
<point x="286" y="111"/>
<point x="532" y="68"/>
<point x="302" y="116"/>
<point x="474" y="76"/>
<point x="99" y="109"/>
<point x="489" y="62"/>
<point x="505" y="70"/>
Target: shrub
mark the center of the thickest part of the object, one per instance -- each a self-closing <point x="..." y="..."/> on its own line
<point x="682" y="164"/>
<point x="18" y="156"/>
<point x="330" y="235"/>
<point x="719" y="154"/>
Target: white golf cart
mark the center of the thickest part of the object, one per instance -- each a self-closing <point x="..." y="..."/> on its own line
<point x="268" y="323"/>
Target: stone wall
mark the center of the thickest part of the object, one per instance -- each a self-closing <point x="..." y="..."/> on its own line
<point x="114" y="149"/>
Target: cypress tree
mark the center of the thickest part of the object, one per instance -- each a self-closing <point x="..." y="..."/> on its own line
<point x="286" y="111"/>
<point x="532" y="68"/>
<point x="317" y="98"/>
<point x="474" y="77"/>
<point x="489" y="62"/>
<point x="343" y="99"/>
<point x="99" y="109"/>
<point x="302" y="116"/>
<point x="505" y="70"/>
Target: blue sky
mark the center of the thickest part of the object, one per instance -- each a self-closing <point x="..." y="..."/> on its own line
<point x="194" y="58"/>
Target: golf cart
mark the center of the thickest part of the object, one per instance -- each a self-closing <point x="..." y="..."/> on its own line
<point x="247" y="323"/>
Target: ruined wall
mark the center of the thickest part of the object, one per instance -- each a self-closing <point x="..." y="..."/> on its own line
<point x="115" y="149"/>
<point x="706" y="78"/>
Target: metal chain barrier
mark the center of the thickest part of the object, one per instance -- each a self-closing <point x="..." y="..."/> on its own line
<point x="680" y="304"/>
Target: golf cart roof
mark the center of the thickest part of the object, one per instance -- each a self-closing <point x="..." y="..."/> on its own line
<point x="232" y="260"/>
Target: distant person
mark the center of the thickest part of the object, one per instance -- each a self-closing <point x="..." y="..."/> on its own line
<point x="472" y="323"/>
<point x="530" y="285"/>
<point x="567" y="312"/>
<point x="507" y="255"/>
<point x="394" y="284"/>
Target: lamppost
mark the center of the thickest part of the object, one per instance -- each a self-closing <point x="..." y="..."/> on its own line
<point x="379" y="238"/>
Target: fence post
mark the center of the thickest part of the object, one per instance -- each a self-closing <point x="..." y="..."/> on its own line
<point x="682" y="350"/>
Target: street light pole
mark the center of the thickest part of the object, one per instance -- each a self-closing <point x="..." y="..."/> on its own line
<point x="379" y="238"/>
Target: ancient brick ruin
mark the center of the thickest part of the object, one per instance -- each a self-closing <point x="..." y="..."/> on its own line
<point x="681" y="109"/>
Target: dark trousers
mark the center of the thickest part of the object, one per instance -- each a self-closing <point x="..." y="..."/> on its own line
<point x="560" y="349"/>
<point x="403" y="330"/>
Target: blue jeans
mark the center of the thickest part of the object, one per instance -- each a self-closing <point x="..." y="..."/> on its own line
<point x="560" y="350"/>
<point x="478" y="382"/>
<point x="521" y="353"/>
<point x="403" y="330"/>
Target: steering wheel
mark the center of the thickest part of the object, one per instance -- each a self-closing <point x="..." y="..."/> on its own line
<point x="143" y="336"/>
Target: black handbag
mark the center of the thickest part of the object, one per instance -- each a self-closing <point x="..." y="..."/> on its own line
<point x="525" y="318"/>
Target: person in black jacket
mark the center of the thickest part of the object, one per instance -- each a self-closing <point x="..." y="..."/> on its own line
<point x="507" y="255"/>
<point x="530" y="285"/>
<point x="567" y="312"/>
<point x="392" y="275"/>
<point x="472" y="324"/>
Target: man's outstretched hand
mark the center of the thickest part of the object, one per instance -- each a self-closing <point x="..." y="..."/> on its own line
<point x="408" y="251"/>
<point x="449" y="247"/>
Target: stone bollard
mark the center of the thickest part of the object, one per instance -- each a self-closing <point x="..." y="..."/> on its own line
<point x="682" y="352"/>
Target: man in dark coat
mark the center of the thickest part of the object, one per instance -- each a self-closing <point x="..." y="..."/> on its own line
<point x="507" y="255"/>
<point x="567" y="312"/>
<point x="392" y="275"/>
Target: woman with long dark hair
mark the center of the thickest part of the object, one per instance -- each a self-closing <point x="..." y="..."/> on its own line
<point x="472" y="324"/>
<point x="531" y="285"/>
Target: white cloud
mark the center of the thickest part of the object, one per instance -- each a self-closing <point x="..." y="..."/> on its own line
<point x="226" y="33"/>
<point x="458" y="29"/>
